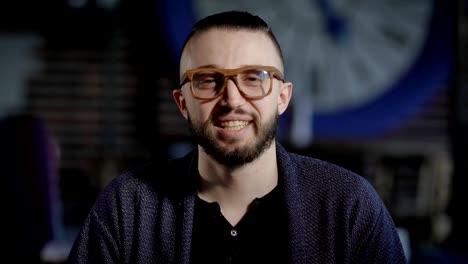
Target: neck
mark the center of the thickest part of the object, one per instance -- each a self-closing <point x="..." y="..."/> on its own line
<point x="235" y="188"/>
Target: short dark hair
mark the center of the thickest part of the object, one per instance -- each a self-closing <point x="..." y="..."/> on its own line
<point x="233" y="20"/>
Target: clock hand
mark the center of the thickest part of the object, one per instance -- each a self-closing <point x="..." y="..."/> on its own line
<point x="335" y="23"/>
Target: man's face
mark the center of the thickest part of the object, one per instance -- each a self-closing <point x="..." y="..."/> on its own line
<point x="231" y="128"/>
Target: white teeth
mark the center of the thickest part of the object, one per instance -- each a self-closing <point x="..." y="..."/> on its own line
<point x="234" y="125"/>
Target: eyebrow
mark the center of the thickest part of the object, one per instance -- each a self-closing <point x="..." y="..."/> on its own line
<point x="214" y="66"/>
<point x="204" y="66"/>
<point x="208" y="66"/>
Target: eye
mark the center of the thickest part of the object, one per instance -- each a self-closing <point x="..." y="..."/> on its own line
<point x="205" y="79"/>
<point x="255" y="75"/>
<point x="252" y="78"/>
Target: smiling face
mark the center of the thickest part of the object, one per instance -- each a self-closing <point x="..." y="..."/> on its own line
<point x="231" y="129"/>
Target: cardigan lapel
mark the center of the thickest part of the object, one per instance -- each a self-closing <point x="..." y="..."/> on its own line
<point x="295" y="206"/>
<point x="295" y="209"/>
<point x="187" y="204"/>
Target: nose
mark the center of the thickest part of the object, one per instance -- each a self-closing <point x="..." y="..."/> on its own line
<point x="232" y="97"/>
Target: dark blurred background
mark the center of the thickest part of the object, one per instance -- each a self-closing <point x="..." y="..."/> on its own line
<point x="86" y="92"/>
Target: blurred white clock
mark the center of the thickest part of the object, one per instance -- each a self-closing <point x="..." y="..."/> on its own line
<point x="343" y="56"/>
<point x="340" y="53"/>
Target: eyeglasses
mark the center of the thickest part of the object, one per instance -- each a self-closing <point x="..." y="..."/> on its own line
<point x="253" y="82"/>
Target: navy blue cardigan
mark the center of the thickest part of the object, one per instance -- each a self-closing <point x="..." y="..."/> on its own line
<point x="146" y="216"/>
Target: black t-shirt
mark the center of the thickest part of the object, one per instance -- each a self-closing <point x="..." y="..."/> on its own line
<point x="259" y="237"/>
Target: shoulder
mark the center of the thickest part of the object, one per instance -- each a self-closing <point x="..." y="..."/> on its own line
<point x="134" y="210"/>
<point x="319" y="181"/>
<point x="169" y="179"/>
<point x="316" y="173"/>
<point x="341" y="207"/>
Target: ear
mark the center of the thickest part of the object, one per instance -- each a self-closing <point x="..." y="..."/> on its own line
<point x="180" y="101"/>
<point x="284" y="97"/>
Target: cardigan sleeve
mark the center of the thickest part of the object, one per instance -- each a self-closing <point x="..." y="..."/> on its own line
<point x="94" y="243"/>
<point x="140" y="217"/>
<point x="375" y="237"/>
<point x="383" y="243"/>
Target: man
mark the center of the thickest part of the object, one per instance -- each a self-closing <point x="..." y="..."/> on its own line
<point x="239" y="196"/>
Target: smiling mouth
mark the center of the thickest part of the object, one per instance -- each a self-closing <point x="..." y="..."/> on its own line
<point x="234" y="125"/>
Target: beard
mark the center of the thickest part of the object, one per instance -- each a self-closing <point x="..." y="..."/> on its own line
<point x="203" y="136"/>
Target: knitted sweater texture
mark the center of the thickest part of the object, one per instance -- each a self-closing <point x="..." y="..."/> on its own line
<point x="146" y="216"/>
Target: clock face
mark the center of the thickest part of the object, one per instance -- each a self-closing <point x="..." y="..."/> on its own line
<point x="358" y="66"/>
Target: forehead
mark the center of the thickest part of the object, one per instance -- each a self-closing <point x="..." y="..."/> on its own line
<point x="229" y="49"/>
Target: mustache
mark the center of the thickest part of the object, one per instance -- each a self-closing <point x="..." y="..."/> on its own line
<point x="224" y="111"/>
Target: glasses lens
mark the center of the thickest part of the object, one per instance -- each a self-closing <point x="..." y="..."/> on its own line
<point x="207" y="84"/>
<point x="254" y="82"/>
